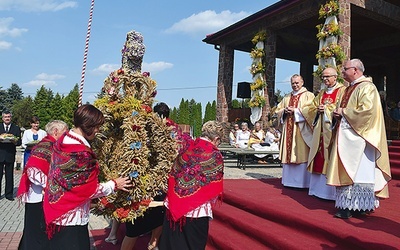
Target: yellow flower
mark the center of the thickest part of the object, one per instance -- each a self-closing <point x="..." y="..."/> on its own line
<point x="257" y="53"/>
<point x="257" y="84"/>
<point x="331" y="8"/>
<point x="257" y="101"/>
<point x="260" y="36"/>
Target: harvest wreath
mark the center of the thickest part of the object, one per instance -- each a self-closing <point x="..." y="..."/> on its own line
<point x="134" y="141"/>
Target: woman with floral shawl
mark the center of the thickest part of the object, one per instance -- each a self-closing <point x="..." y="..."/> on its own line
<point x="73" y="182"/>
<point x="30" y="190"/>
<point x="194" y="186"/>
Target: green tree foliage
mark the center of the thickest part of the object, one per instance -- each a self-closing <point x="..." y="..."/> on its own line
<point x="173" y="114"/>
<point x="70" y="104"/>
<point x="56" y="107"/>
<point x="195" y="116"/>
<point x="214" y="110"/>
<point x="183" y="114"/>
<point x="197" y="119"/>
<point x="236" y="104"/>
<point x="10" y="96"/>
<point x="14" y="93"/>
<point x="210" y="113"/>
<point x="41" y="105"/>
<point x="22" y="112"/>
<point x="3" y="99"/>
<point x="207" y="113"/>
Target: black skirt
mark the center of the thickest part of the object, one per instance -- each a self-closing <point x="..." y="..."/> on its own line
<point x="191" y="234"/>
<point x="70" y="237"/>
<point x="34" y="234"/>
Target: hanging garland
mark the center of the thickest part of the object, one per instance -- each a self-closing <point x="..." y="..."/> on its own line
<point x="134" y="141"/>
<point x="330" y="53"/>
<point x="257" y="70"/>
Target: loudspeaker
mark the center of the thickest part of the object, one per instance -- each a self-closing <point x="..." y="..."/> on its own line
<point x="243" y="90"/>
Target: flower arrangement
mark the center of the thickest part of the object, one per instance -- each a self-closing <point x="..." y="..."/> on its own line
<point x="331" y="8"/>
<point x="257" y="84"/>
<point x="331" y="29"/>
<point x="332" y="50"/>
<point x="257" y="53"/>
<point x="257" y="67"/>
<point x="257" y="101"/>
<point x="257" y="70"/>
<point x="259" y="37"/>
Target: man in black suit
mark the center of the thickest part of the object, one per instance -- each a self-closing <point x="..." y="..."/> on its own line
<point x="7" y="153"/>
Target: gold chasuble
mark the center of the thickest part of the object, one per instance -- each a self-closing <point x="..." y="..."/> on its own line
<point x="321" y="123"/>
<point x="295" y="136"/>
<point x="365" y="127"/>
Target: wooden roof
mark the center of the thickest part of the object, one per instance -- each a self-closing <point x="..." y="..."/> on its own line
<point x="375" y="36"/>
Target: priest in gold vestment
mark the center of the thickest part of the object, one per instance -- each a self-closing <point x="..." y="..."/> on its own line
<point x="359" y="161"/>
<point x="296" y="135"/>
<point x="319" y="116"/>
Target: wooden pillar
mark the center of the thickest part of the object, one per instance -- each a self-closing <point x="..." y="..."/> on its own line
<point x="345" y="25"/>
<point x="225" y="80"/>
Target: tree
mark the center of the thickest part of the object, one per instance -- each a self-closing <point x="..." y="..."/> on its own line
<point x="56" y="107"/>
<point x="70" y="104"/>
<point x="210" y="113"/>
<point x="207" y="113"/>
<point x="236" y="104"/>
<point x="14" y="93"/>
<point x="41" y="105"/>
<point x="173" y="114"/>
<point x="22" y="112"/>
<point x="183" y="117"/>
<point x="214" y="110"/>
<point x="3" y="99"/>
<point x="197" y="119"/>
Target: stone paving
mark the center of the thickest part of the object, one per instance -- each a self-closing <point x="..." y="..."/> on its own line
<point x="12" y="213"/>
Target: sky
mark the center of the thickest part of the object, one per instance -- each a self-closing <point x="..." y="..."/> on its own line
<point x="42" y="42"/>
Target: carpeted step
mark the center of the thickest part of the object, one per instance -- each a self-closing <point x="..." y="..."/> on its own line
<point x="395" y="143"/>
<point x="294" y="209"/>
<point x="395" y="155"/>
<point x="221" y="236"/>
<point x="266" y="232"/>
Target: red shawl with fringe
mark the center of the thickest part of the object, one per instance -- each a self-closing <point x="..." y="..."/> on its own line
<point x="72" y="181"/>
<point x="196" y="178"/>
<point x="40" y="158"/>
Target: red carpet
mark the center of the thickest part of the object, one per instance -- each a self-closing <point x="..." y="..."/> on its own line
<point x="394" y="156"/>
<point x="262" y="214"/>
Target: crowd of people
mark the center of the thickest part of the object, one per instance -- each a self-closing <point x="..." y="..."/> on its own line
<point x="334" y="144"/>
<point x="257" y="138"/>
<point x="60" y="179"/>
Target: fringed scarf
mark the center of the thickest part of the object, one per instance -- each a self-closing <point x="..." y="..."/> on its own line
<point x="196" y="178"/>
<point x="40" y="158"/>
<point x="72" y="181"/>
